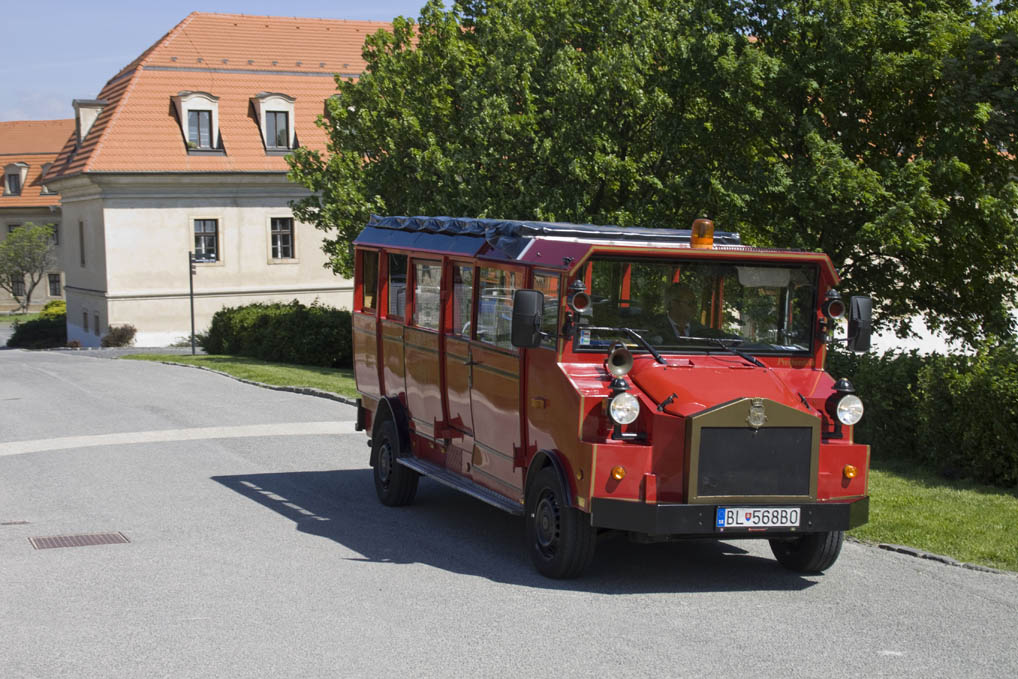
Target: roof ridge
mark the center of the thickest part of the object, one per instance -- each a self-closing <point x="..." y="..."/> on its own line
<point x="288" y="18"/>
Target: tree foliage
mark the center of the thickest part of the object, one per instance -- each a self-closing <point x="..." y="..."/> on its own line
<point x="880" y="132"/>
<point x="26" y="255"/>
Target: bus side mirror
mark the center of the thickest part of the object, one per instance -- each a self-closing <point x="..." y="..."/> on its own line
<point x="859" y="323"/>
<point x="528" y="308"/>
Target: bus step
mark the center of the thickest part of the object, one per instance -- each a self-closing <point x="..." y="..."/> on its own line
<point x="446" y="477"/>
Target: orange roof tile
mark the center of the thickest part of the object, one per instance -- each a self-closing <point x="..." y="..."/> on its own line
<point x="34" y="142"/>
<point x="233" y="57"/>
<point x="33" y="136"/>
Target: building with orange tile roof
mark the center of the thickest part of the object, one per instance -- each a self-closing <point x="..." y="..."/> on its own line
<point x="184" y="151"/>
<point x="27" y="148"/>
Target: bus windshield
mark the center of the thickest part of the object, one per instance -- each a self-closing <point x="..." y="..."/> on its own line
<point x="681" y="306"/>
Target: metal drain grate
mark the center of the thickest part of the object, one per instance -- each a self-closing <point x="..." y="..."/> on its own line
<point x="79" y="540"/>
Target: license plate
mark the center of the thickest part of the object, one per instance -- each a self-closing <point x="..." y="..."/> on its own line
<point x="758" y="517"/>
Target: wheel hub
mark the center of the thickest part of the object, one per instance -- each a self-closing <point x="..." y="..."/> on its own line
<point x="384" y="462"/>
<point x="546" y="518"/>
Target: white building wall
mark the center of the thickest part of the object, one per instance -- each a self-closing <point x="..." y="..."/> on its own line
<point x="147" y="231"/>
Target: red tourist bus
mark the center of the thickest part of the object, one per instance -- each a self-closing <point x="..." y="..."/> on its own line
<point x="664" y="383"/>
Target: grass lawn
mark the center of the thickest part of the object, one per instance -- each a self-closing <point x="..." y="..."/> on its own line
<point x="908" y="506"/>
<point x="964" y="520"/>
<point x="10" y="319"/>
<point x="336" y="380"/>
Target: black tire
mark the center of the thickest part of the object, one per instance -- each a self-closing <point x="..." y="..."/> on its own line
<point x="560" y="538"/>
<point x="395" y="484"/>
<point x="811" y="553"/>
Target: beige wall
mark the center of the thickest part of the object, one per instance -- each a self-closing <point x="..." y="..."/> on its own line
<point x="139" y="231"/>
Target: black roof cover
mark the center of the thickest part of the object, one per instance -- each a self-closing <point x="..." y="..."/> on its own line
<point x="511" y="236"/>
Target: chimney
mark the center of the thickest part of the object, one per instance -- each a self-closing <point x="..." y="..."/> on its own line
<point x="85" y="113"/>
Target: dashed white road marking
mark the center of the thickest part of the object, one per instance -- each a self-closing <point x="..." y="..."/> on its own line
<point x="167" y="435"/>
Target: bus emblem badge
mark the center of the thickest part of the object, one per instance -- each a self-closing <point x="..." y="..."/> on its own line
<point x="757" y="414"/>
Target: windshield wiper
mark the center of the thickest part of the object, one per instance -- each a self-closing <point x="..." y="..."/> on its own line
<point x="636" y="336"/>
<point x="723" y="343"/>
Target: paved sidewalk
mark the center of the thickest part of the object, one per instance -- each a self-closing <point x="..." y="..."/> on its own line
<point x="125" y="351"/>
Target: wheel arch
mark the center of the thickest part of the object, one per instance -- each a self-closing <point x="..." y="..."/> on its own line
<point x="550" y="458"/>
<point x="390" y="408"/>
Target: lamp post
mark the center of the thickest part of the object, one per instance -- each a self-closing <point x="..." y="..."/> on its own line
<point x="191" y="272"/>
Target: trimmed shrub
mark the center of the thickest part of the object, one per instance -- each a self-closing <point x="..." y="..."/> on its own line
<point x="288" y="333"/>
<point x="956" y="414"/>
<point x="968" y="415"/>
<point x="53" y="309"/>
<point x="41" y="333"/>
<point x="119" y="336"/>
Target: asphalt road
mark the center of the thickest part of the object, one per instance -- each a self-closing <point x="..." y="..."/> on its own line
<point x="257" y="548"/>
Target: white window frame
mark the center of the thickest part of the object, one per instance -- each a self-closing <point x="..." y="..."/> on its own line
<point x="19" y="170"/>
<point x="193" y="246"/>
<point x="188" y="101"/>
<point x="276" y="102"/>
<point x="293" y="240"/>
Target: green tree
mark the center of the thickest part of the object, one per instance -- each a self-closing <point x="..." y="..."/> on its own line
<point x="26" y="255"/>
<point x="880" y="132"/>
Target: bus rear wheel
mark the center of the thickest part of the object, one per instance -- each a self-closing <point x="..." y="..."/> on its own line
<point x="560" y="538"/>
<point x="395" y="484"/>
<point x="810" y="553"/>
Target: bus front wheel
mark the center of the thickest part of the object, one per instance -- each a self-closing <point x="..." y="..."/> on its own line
<point x="811" y="553"/>
<point x="560" y="538"/>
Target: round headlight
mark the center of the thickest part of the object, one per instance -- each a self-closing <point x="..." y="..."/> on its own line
<point x="850" y="409"/>
<point x="624" y="408"/>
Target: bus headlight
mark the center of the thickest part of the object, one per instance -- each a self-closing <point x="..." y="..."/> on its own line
<point x="624" y="408"/>
<point x="850" y="409"/>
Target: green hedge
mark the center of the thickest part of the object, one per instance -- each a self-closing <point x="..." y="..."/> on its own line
<point x="957" y="414"/>
<point x="41" y="333"/>
<point x="287" y="333"/>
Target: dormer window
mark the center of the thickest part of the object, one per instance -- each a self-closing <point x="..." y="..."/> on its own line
<point x="198" y="113"/>
<point x="278" y="132"/>
<point x="12" y="185"/>
<point x="14" y="178"/>
<point x="275" y="117"/>
<point x="199" y="129"/>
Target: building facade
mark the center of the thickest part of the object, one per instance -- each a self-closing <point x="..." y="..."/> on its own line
<point x="27" y="149"/>
<point x="183" y="154"/>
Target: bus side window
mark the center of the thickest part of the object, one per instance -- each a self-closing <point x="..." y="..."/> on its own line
<point x="427" y="306"/>
<point x="495" y="306"/>
<point x="369" y="279"/>
<point x="462" y="299"/>
<point x="548" y="283"/>
<point x="397" y="287"/>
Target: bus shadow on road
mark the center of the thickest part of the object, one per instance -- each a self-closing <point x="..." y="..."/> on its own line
<point x="445" y="529"/>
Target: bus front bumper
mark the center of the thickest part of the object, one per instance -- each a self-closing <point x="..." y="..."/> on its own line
<point x="701" y="520"/>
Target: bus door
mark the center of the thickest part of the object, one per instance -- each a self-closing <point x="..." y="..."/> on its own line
<point x="495" y="383"/>
<point x="457" y="364"/>
<point x="421" y="349"/>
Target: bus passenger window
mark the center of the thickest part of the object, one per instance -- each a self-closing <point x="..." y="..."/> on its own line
<point x="369" y="279"/>
<point x="495" y="306"/>
<point x="427" y="306"/>
<point x="549" y="285"/>
<point x="462" y="299"/>
<point x="397" y="286"/>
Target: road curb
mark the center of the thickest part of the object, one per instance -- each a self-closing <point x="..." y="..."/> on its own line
<point x="929" y="556"/>
<point x="307" y="391"/>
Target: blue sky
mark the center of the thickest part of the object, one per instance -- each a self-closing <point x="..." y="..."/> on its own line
<point x="67" y="49"/>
